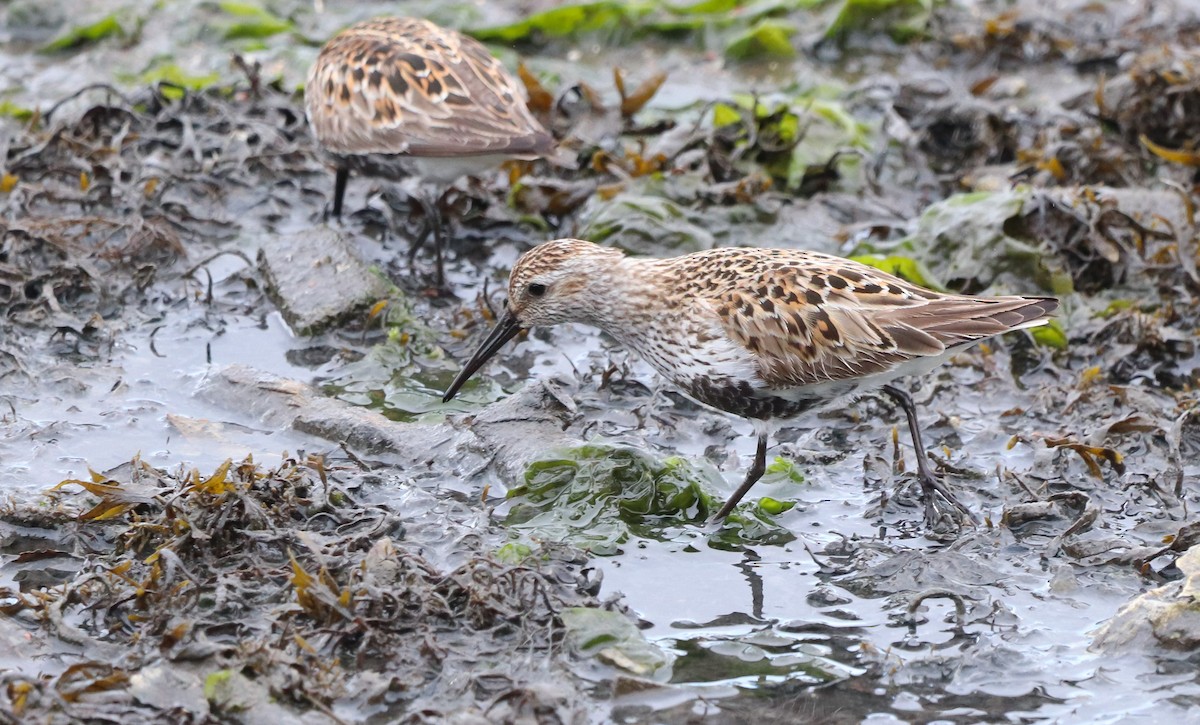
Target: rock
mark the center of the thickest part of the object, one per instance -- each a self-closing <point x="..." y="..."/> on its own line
<point x="316" y="279"/>
<point x="283" y="403"/>
<point x="238" y="699"/>
<point x="911" y="572"/>
<point x="511" y="432"/>
<point x="616" y="640"/>
<point x="1167" y="617"/>
<point x="166" y="686"/>
<point x="523" y="427"/>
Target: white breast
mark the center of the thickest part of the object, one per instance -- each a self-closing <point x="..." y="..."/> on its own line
<point x="444" y="170"/>
<point x="674" y="349"/>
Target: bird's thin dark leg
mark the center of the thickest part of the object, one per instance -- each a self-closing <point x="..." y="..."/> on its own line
<point x="756" y="471"/>
<point x="929" y="483"/>
<point x="339" y="190"/>
<point x="433" y="225"/>
<point x="426" y="231"/>
<point x="439" y="244"/>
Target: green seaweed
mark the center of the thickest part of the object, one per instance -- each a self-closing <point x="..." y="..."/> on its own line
<point x="755" y="35"/>
<point x="725" y="115"/>
<point x="1115" y="307"/>
<point x="903" y="267"/>
<point x="1050" y="335"/>
<point x="614" y="638"/>
<point x="598" y="497"/>
<point x="254" y="22"/>
<point x="733" y="657"/>
<point x="514" y="552"/>
<point x="8" y="109"/>
<point x="796" y="137"/>
<point x="215" y="682"/>
<point x="783" y="469"/>
<point x="89" y="34"/>
<point x="903" y="20"/>
<point x="178" y="81"/>
<point x="828" y="129"/>
<point x="403" y="378"/>
<point x="643" y="223"/>
<point x="566" y="21"/>
<point x="768" y="38"/>
<point x="965" y="244"/>
<point x="704" y="7"/>
<point x="774" y="506"/>
<point x="753" y="524"/>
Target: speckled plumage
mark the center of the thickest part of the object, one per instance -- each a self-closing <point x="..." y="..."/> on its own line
<point x="407" y="86"/>
<point x="760" y="333"/>
<point x="403" y="97"/>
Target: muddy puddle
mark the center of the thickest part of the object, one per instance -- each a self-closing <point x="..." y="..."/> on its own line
<point x="209" y="517"/>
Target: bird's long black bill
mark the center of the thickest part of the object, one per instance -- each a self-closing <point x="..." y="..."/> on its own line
<point x="505" y="330"/>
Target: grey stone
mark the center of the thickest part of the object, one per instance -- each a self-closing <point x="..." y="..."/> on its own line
<point x="1167" y="618"/>
<point x="167" y="686"/>
<point x="316" y="279"/>
<point x="509" y="433"/>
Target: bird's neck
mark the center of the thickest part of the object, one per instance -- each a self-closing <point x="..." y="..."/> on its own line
<point x="631" y="302"/>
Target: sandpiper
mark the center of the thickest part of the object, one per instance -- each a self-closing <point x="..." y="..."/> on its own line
<point x="405" y="98"/>
<point x="761" y="333"/>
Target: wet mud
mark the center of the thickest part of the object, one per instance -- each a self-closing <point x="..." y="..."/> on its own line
<point x="225" y="501"/>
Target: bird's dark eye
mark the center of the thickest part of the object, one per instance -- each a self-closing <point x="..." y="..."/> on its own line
<point x="537" y="290"/>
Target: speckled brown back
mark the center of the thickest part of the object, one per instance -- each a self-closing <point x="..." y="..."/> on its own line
<point x="408" y="86"/>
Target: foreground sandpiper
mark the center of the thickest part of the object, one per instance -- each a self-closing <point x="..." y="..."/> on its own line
<point x="760" y="333"/>
<point x="404" y="98"/>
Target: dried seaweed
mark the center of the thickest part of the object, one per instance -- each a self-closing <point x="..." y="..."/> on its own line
<point x="337" y="590"/>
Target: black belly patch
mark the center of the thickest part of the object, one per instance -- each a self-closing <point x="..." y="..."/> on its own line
<point x="394" y="167"/>
<point x="741" y="398"/>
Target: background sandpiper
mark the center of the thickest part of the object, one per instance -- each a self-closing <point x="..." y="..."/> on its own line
<point x="405" y="98"/>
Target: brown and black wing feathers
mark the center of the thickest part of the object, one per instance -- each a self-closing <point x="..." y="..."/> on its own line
<point x="809" y="318"/>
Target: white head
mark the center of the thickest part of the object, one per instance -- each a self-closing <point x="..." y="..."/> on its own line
<point x="566" y="280"/>
<point x="560" y="281"/>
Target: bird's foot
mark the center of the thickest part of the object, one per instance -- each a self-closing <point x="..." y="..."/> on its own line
<point x="931" y="489"/>
<point x="434" y="230"/>
<point x="756" y="471"/>
<point x="327" y="215"/>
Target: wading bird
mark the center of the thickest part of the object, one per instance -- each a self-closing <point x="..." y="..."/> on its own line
<point x="405" y="98"/>
<point x="765" y="334"/>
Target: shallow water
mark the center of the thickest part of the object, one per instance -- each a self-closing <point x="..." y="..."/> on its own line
<point x="752" y="628"/>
